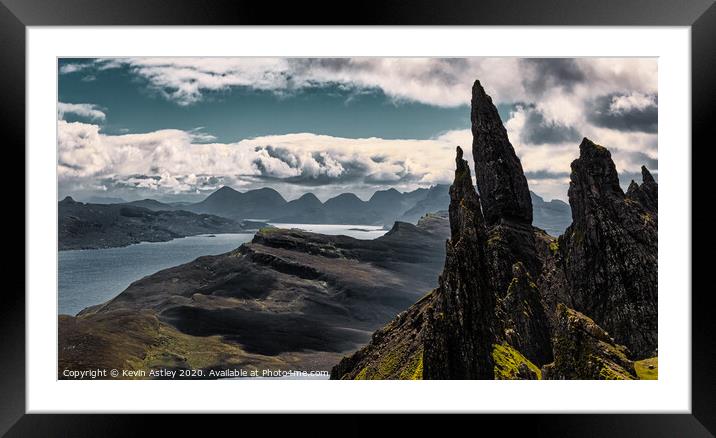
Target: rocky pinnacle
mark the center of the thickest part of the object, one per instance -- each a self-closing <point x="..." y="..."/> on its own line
<point x="609" y="252"/>
<point x="500" y="179"/>
<point x="647" y="193"/>
<point x="460" y="334"/>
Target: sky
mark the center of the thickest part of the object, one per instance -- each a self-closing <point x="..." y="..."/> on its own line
<point x="176" y="129"/>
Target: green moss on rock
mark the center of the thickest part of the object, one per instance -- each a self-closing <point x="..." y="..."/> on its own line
<point x="583" y="350"/>
<point x="507" y="363"/>
<point x="362" y="375"/>
<point x="647" y="369"/>
<point x="414" y="369"/>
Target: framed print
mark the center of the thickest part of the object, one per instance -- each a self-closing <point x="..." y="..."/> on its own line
<point x="432" y="209"/>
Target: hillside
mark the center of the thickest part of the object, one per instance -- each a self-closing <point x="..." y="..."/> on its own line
<point x="93" y="226"/>
<point x="287" y="300"/>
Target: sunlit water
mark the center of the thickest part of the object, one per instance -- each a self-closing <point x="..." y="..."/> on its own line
<point x="367" y="232"/>
<point x="89" y="277"/>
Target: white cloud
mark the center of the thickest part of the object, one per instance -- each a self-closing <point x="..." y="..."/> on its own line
<point x="72" y="68"/>
<point x="87" y="110"/>
<point x="632" y="101"/>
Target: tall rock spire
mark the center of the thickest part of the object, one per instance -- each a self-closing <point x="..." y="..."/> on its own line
<point x="460" y="331"/>
<point x="505" y="197"/>
<point x="449" y="333"/>
<point x="500" y="179"/>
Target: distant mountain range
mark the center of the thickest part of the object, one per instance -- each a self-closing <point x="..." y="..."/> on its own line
<point x="554" y="216"/>
<point x="383" y="208"/>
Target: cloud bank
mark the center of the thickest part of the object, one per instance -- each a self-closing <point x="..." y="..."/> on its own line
<point x="178" y="162"/>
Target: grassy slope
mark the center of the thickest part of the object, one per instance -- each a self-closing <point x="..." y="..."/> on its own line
<point x="643" y="371"/>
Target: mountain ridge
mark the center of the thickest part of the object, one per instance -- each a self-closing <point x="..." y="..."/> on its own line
<point x="384" y="207"/>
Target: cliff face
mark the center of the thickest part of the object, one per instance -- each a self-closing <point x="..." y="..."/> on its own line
<point x="609" y="253"/>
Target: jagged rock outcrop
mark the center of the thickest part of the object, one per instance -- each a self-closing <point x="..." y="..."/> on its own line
<point x="458" y="331"/>
<point x="450" y="333"/>
<point x="507" y="208"/>
<point x="505" y="196"/>
<point x="525" y="323"/>
<point x="609" y="254"/>
<point x="500" y="179"/>
<point x="647" y="193"/>
<point x="584" y="351"/>
<point x="505" y="297"/>
<point x="460" y="334"/>
<point x="508" y="243"/>
<point x="462" y="321"/>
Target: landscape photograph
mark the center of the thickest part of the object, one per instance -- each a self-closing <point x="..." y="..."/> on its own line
<point x="357" y="218"/>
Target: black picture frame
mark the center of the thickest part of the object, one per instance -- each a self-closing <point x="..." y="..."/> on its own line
<point x="700" y="15"/>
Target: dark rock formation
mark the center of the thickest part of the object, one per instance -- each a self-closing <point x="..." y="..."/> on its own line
<point x="500" y="179"/>
<point x="508" y="243"/>
<point x="511" y="247"/>
<point x="609" y="254"/>
<point x="458" y="331"/>
<point x="647" y="193"/>
<point x="583" y="350"/>
<point x="489" y="318"/>
<point x="449" y="333"/>
<point x="506" y="199"/>
<point x="462" y="322"/>
<point x="525" y="323"/>
<point x="460" y="334"/>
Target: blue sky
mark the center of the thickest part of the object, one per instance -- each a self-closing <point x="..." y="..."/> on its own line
<point x="178" y="128"/>
<point x="242" y="112"/>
